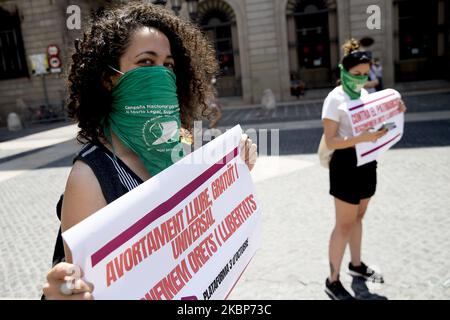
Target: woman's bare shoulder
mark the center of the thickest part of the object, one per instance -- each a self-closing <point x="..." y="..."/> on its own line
<point x="82" y="197"/>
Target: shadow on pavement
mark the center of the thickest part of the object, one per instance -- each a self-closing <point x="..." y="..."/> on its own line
<point x="417" y="135"/>
<point x="6" y="135"/>
<point x="362" y="292"/>
<point x="305" y="141"/>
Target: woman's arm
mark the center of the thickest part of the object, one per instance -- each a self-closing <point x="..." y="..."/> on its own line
<point x="373" y="80"/>
<point x="372" y="83"/>
<point x="82" y="197"/>
<point x="330" y="129"/>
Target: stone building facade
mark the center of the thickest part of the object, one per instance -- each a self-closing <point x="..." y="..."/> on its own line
<point x="260" y="44"/>
<point x="28" y="27"/>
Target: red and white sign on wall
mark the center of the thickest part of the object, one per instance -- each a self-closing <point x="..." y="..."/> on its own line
<point x="54" y="61"/>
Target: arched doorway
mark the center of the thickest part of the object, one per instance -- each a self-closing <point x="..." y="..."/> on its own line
<point x="217" y="20"/>
<point x="313" y="41"/>
<point x="421" y="40"/>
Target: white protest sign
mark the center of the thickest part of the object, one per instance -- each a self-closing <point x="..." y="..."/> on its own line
<point x="187" y="233"/>
<point x="371" y="111"/>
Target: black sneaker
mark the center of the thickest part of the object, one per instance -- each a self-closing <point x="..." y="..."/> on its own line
<point x="365" y="272"/>
<point x="336" y="291"/>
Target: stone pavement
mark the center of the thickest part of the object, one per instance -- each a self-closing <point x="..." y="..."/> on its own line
<point x="21" y="145"/>
<point x="406" y="231"/>
<point x="6" y="135"/>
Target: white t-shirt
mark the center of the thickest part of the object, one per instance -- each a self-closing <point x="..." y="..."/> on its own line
<point x="335" y="109"/>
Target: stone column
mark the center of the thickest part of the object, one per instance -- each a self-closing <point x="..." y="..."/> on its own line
<point x="264" y="49"/>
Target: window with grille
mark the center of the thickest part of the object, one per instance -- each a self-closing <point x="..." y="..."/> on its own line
<point x="313" y="39"/>
<point x="12" y="54"/>
<point x="217" y="26"/>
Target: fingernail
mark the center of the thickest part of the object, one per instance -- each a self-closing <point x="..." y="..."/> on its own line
<point x="77" y="284"/>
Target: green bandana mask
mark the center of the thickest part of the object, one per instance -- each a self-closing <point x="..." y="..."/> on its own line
<point x="146" y="116"/>
<point x="352" y="84"/>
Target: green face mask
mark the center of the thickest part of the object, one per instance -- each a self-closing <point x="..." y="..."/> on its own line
<point x="352" y="84"/>
<point x="146" y="116"/>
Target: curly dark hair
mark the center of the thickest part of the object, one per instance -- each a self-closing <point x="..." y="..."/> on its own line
<point x="105" y="40"/>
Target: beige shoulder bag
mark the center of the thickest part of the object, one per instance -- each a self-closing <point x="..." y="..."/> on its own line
<point x="324" y="153"/>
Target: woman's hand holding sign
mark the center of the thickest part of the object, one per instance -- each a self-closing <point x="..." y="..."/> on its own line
<point x="63" y="283"/>
<point x="402" y="107"/>
<point x="372" y="136"/>
<point x="248" y="151"/>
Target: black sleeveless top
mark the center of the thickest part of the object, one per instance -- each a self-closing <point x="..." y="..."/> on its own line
<point x="114" y="176"/>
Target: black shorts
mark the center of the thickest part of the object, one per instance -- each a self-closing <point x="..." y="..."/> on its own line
<point x="348" y="182"/>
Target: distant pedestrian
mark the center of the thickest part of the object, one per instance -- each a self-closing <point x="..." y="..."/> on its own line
<point x="214" y="105"/>
<point x="372" y="81"/>
<point x="268" y="101"/>
<point x="377" y="68"/>
<point x="297" y="86"/>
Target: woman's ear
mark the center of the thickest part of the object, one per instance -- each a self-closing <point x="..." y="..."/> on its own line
<point x="109" y="80"/>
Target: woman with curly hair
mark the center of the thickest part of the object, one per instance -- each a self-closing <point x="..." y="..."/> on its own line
<point x="138" y="76"/>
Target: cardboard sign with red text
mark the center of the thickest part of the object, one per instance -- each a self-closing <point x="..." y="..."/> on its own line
<point x="187" y="233"/>
<point x="371" y="111"/>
